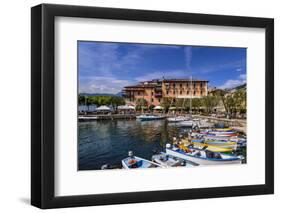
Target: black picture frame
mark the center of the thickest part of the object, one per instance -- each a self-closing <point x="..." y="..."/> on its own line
<point x="43" y="110"/>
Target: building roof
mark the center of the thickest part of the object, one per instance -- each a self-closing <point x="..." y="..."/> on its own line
<point x="183" y="80"/>
<point x="139" y="86"/>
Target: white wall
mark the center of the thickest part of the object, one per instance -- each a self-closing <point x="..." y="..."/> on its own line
<point x="15" y="104"/>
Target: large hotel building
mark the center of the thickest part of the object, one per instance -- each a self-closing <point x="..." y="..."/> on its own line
<point x="155" y="90"/>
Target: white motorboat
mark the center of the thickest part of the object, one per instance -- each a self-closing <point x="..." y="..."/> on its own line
<point x="150" y="117"/>
<point x="188" y="123"/>
<point x="177" y="119"/>
<point x="88" y="118"/>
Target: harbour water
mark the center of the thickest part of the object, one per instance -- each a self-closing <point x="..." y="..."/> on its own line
<point x="108" y="141"/>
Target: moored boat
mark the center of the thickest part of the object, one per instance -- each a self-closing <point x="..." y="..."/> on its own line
<point x="150" y="117"/>
<point x="166" y="160"/>
<point x="209" y="147"/>
<point x="201" y="123"/>
<point x="223" y="129"/>
<point x="177" y="119"/>
<point x="203" y="157"/>
<point x="87" y="118"/>
<point x="222" y="144"/>
<point x="188" y="123"/>
<point x="134" y="162"/>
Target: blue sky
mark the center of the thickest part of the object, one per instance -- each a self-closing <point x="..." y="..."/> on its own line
<point x="108" y="67"/>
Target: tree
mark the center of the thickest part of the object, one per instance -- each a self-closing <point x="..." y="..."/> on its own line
<point x="196" y="104"/>
<point x="221" y="94"/>
<point x="166" y="103"/>
<point x="141" y="103"/>
<point x="101" y="100"/>
<point x="210" y="102"/>
<point x="179" y="103"/>
<point x="81" y="99"/>
<point x="151" y="107"/>
<point x="116" y="101"/>
<point x="186" y="104"/>
<point x="230" y="104"/>
<point x="239" y="97"/>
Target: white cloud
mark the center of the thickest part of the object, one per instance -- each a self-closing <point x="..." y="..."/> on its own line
<point x="108" y="85"/>
<point x="106" y="62"/>
<point x="243" y="76"/>
<point x="104" y="59"/>
<point x="242" y="79"/>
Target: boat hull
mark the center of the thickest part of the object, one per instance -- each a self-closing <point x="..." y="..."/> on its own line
<point x="150" y="118"/>
<point x="144" y="163"/>
<point x="202" y="161"/>
<point x="186" y="124"/>
<point x="166" y="160"/>
<point x="176" y="119"/>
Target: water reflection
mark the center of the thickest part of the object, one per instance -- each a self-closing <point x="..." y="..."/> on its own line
<point x="108" y="142"/>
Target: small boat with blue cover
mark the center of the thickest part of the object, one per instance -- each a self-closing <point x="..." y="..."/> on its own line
<point x="134" y="162"/>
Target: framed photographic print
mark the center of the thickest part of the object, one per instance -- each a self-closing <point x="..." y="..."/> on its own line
<point x="139" y="106"/>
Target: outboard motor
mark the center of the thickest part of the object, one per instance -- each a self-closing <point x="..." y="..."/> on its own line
<point x="130" y="154"/>
<point x="168" y="146"/>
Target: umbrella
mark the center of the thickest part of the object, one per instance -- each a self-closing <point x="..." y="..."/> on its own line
<point x="103" y="108"/>
<point x="126" y="107"/>
<point x="158" y="108"/>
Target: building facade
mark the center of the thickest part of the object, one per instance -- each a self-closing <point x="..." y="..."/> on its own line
<point x="155" y="90"/>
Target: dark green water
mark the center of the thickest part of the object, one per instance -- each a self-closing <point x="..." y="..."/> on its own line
<point x="108" y="142"/>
